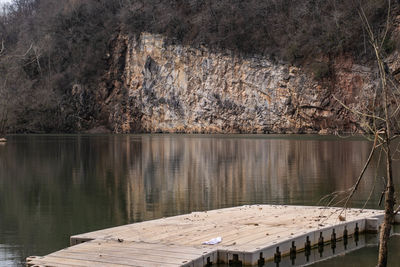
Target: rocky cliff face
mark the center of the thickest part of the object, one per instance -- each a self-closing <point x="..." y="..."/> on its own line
<point x="153" y="86"/>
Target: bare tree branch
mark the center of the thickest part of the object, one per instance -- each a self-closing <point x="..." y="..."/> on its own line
<point x="387" y="26"/>
<point x="2" y="47"/>
<point x="375" y="180"/>
<point x="356" y="111"/>
<point x="354" y="189"/>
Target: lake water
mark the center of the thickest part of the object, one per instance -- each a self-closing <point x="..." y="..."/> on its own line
<point x="52" y="187"/>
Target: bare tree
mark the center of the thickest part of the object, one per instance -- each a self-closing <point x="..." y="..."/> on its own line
<point x="381" y="122"/>
<point x="385" y="131"/>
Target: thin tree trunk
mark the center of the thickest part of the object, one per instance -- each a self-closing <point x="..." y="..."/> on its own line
<point x="389" y="213"/>
<point x="389" y="194"/>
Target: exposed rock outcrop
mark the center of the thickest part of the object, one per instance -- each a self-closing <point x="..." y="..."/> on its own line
<point x="152" y="86"/>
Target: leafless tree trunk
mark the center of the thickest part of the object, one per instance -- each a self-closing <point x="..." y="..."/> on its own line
<point x="382" y="127"/>
<point x="387" y="138"/>
<point x="381" y="122"/>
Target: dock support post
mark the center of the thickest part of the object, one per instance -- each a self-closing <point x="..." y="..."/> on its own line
<point x="333" y="241"/>
<point x="277" y="256"/>
<point x="293" y="253"/>
<point x="261" y="261"/>
<point x="235" y="260"/>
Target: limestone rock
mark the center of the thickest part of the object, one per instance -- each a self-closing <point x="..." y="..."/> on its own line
<point x="155" y="87"/>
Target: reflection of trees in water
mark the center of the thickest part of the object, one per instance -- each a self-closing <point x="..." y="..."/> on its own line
<point x="52" y="187"/>
<point x="180" y="174"/>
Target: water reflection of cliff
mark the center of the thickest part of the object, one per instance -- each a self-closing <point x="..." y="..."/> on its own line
<point x="53" y="187"/>
<point x="179" y="174"/>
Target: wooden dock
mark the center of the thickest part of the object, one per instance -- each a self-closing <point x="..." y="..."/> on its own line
<point x="250" y="235"/>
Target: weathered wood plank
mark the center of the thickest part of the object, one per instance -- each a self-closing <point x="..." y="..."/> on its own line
<point x="136" y="252"/>
<point x="117" y="259"/>
<point x="141" y="246"/>
<point x="57" y="261"/>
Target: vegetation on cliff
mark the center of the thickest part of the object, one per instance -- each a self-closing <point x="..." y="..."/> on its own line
<point x="48" y="47"/>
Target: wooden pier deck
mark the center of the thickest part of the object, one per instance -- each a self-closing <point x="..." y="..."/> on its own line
<point x="249" y="234"/>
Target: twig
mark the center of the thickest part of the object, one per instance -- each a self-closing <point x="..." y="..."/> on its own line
<point x="375" y="178"/>
<point x="397" y="210"/>
<point x="356" y="111"/>
<point x="387" y="27"/>
<point x="2" y="46"/>
<point x="354" y="189"/>
<point x="383" y="192"/>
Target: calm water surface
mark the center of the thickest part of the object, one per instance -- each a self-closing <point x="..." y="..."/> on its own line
<point x="52" y="187"/>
